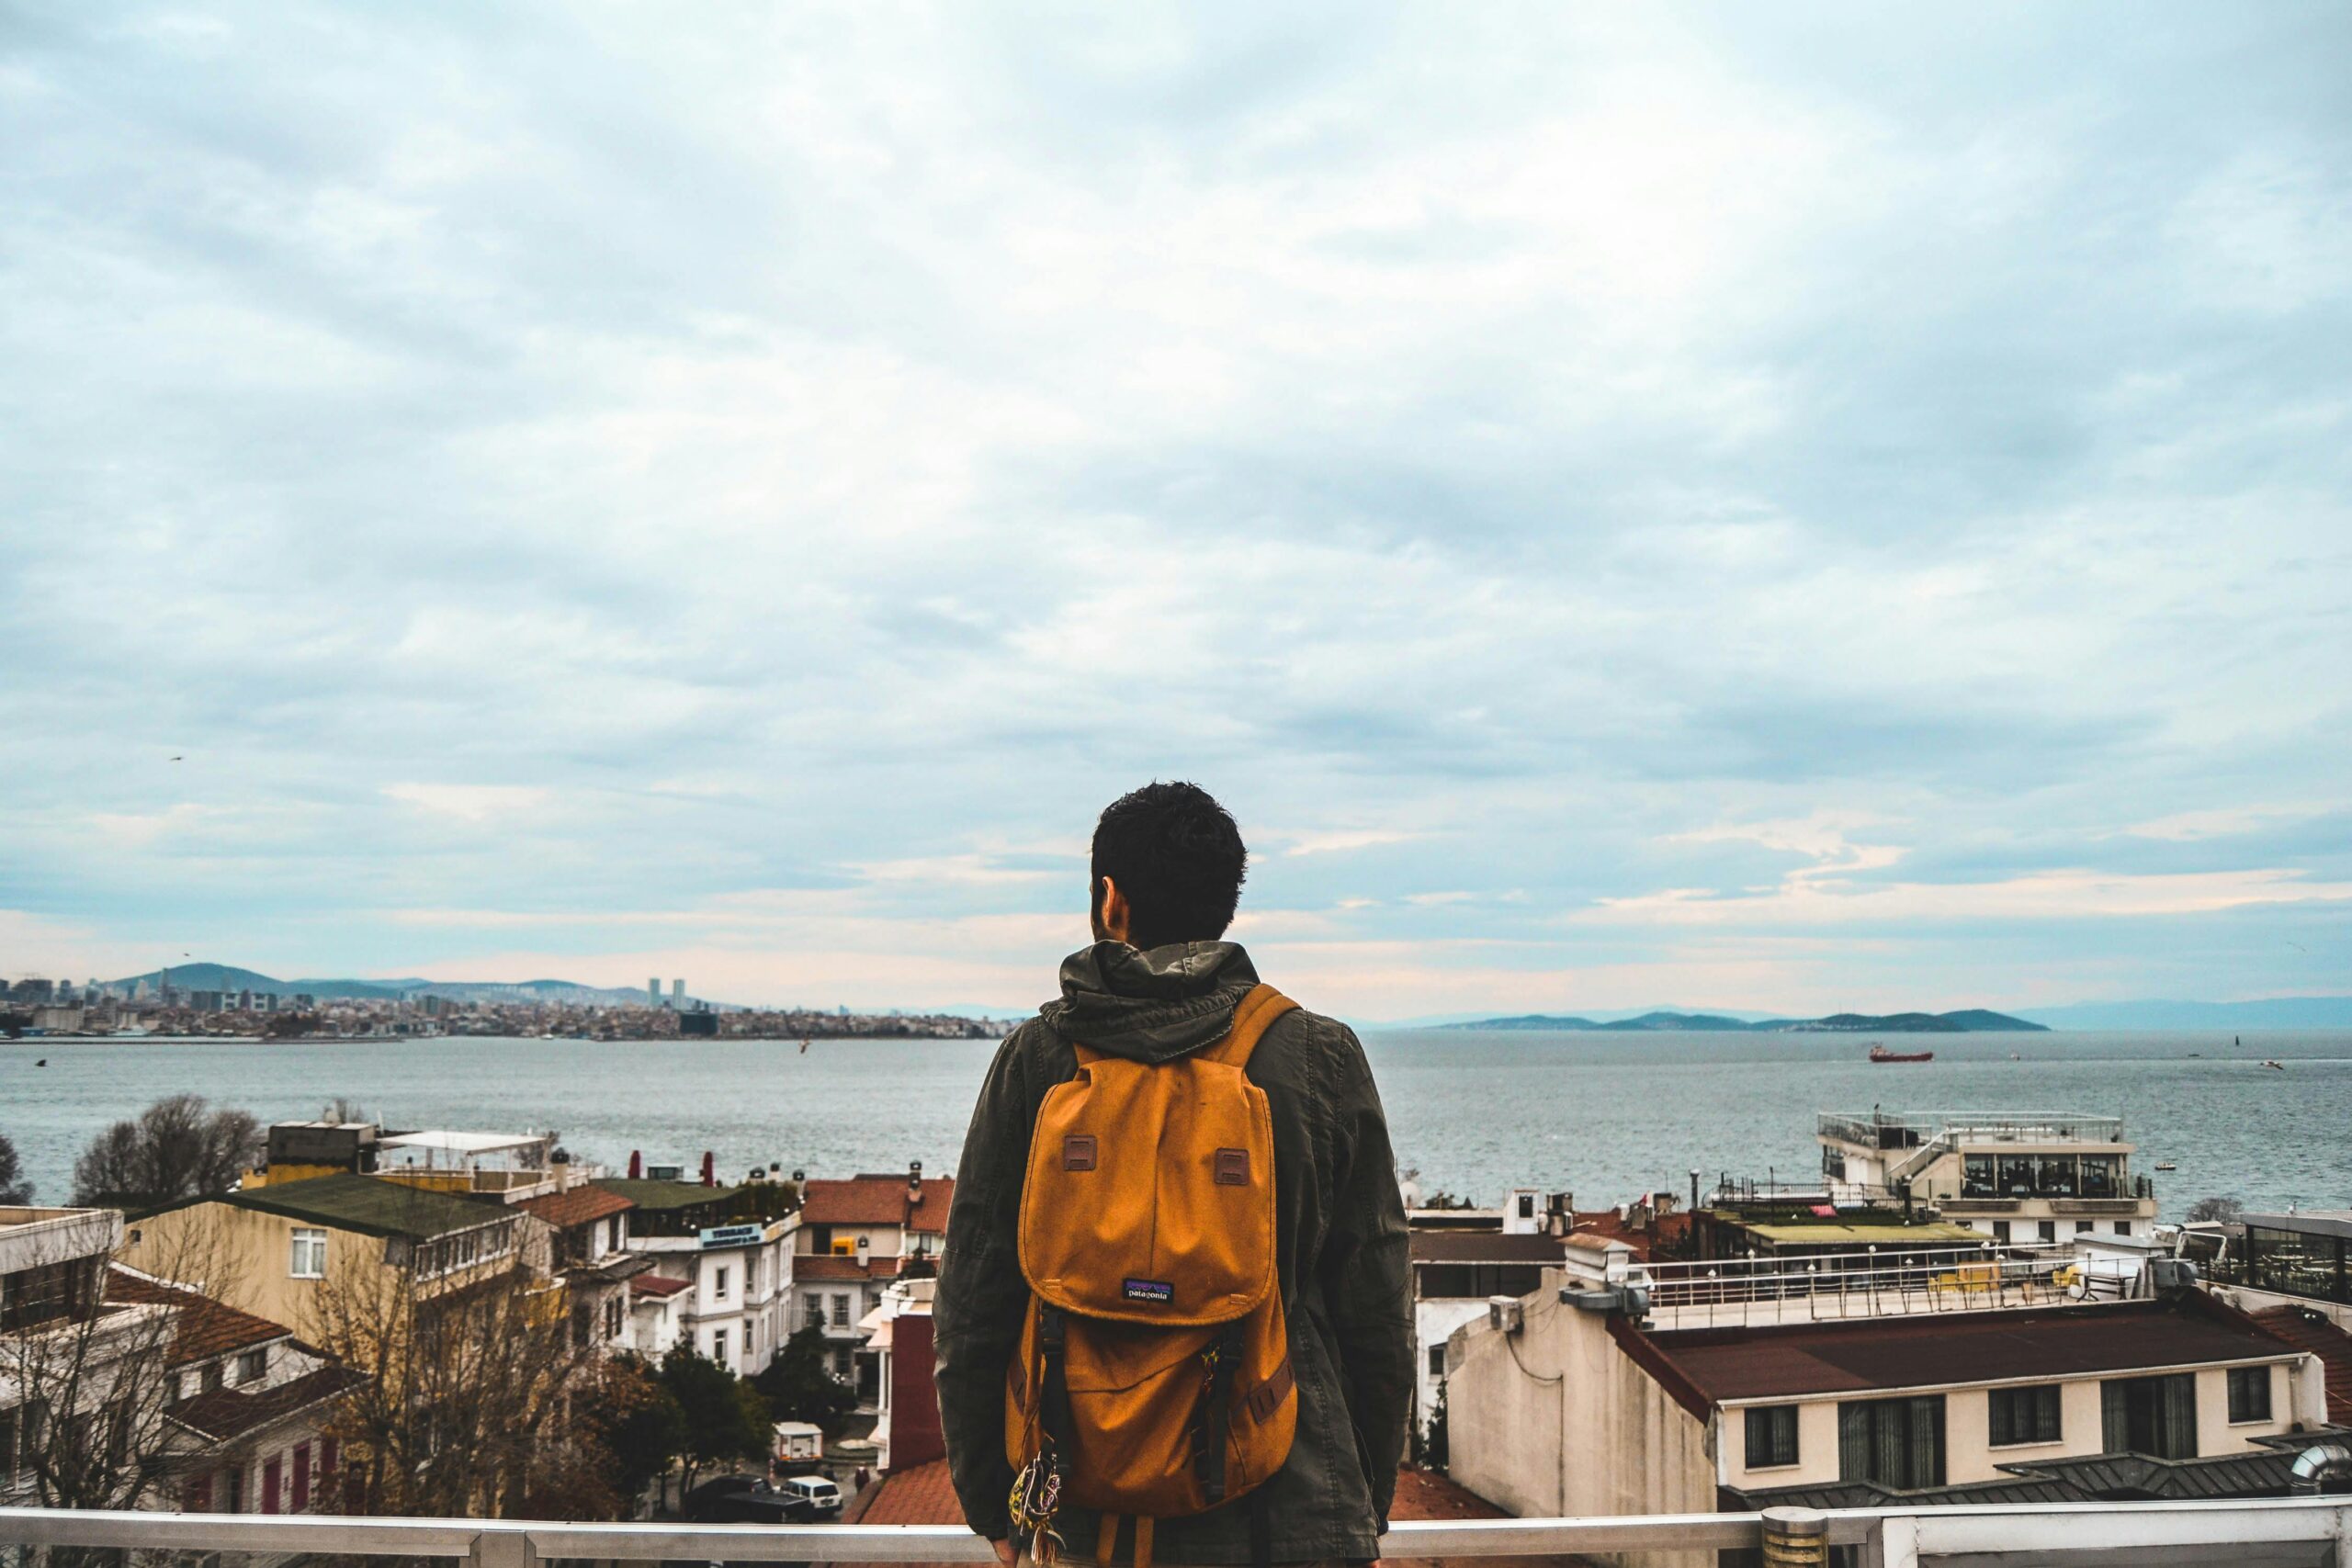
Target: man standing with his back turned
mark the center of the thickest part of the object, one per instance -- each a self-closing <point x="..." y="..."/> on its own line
<point x="1159" y="985"/>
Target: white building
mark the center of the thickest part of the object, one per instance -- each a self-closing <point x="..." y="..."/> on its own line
<point x="2031" y="1178"/>
<point x="851" y="1239"/>
<point x="737" y="1262"/>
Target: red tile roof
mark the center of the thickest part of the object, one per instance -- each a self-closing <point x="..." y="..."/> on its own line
<point x="227" y="1413"/>
<point x="1665" y="1230"/>
<point x="921" y="1496"/>
<point x="1929" y="1348"/>
<point x="581" y="1206"/>
<point x="658" y="1285"/>
<point x="206" y="1328"/>
<point x="829" y="1266"/>
<point x="878" y="1201"/>
<point x="2316" y="1332"/>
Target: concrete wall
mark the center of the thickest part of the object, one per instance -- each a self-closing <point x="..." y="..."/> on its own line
<point x="1555" y="1420"/>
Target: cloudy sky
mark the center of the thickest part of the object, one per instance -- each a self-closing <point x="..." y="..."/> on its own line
<point x="1788" y="508"/>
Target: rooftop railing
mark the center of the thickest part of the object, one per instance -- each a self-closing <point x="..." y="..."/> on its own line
<point x="1903" y="1130"/>
<point x="1884" y="1281"/>
<point x="2297" y="1531"/>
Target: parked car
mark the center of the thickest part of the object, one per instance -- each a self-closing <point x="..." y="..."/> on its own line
<point x="817" y="1493"/>
<point x="747" y="1500"/>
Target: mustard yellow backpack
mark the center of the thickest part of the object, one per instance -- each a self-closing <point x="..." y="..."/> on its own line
<point x="1153" y="1378"/>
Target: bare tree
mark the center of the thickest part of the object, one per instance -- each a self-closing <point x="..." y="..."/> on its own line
<point x="2227" y="1210"/>
<point x="91" y="1365"/>
<point x="466" y="1412"/>
<point x="15" y="1188"/>
<point x="177" y="1147"/>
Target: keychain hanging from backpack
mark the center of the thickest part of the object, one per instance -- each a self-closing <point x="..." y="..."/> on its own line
<point x="1036" y="1496"/>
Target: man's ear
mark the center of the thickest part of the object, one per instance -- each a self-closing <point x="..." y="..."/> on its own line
<point x="1113" y="916"/>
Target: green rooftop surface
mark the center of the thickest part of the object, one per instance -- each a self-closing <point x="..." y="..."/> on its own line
<point x="667" y="1194"/>
<point x="368" y="1205"/>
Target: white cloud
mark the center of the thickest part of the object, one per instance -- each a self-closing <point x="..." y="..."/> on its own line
<point x="470" y="803"/>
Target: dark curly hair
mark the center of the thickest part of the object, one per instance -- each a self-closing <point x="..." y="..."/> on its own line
<point x="1177" y="856"/>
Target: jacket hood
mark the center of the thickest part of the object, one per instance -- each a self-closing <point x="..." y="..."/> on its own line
<point x="1151" y="1006"/>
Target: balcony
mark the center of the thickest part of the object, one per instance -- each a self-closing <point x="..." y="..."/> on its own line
<point x="2293" y="1532"/>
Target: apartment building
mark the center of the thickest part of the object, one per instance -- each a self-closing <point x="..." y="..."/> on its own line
<point x="850" y="1240"/>
<point x="271" y="1250"/>
<point x="1590" y="1396"/>
<point x="589" y="1253"/>
<point x="727" y="1254"/>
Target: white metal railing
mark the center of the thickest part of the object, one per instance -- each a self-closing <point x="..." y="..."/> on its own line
<point x="1872" y="1129"/>
<point x="1865" y="1283"/>
<point x="2313" y="1531"/>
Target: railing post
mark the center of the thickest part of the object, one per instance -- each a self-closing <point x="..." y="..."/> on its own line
<point x="1795" y="1538"/>
<point x="503" y="1547"/>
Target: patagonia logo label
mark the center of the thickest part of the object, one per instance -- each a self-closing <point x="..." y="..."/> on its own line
<point x="1160" y="1291"/>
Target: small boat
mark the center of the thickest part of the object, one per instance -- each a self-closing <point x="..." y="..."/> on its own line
<point x="1881" y="1054"/>
<point x="2166" y="1165"/>
<point x="2276" y="1066"/>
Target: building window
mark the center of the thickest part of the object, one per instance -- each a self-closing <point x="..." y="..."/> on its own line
<point x="2000" y="1230"/>
<point x="254" y="1365"/>
<point x="1771" y="1436"/>
<point x="213" y="1377"/>
<point x="1437" y="1361"/>
<point x="2249" y="1393"/>
<point x="1895" y="1442"/>
<point x="2123" y="1227"/>
<point x="719" y="1346"/>
<point x="308" y="1259"/>
<point x="2156" y="1417"/>
<point x="232" y="1490"/>
<point x="2050" y="1230"/>
<point x="751" y="1273"/>
<point x="841" y="1311"/>
<point x="1976" y="1178"/>
<point x="2023" y="1416"/>
<point x="719" y="1289"/>
<point x="2082" y="1227"/>
<point x="1527" y="1205"/>
<point x="613" y="1234"/>
<point x="815" y="1314"/>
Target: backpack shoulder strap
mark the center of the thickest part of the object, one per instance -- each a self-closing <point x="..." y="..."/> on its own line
<point x="1250" y="1019"/>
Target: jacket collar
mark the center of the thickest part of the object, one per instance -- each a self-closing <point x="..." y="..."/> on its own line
<point x="1151" y="1006"/>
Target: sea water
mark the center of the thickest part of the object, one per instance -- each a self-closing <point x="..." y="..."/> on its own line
<point x="1606" y="1117"/>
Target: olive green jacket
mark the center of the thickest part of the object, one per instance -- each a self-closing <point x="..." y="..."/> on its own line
<point x="1339" y="1231"/>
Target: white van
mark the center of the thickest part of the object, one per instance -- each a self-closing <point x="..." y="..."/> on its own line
<point x="823" y="1498"/>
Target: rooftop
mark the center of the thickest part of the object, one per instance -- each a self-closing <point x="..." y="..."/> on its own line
<point x="361" y="1203"/>
<point x="658" y="1285"/>
<point x="206" y="1328"/>
<point x="1906" y="1129"/>
<point x="227" y="1413"/>
<point x="869" y="1200"/>
<point x="656" y="1196"/>
<point x="1485" y="1246"/>
<point x="1723" y="1365"/>
<point x="834" y="1266"/>
<point x="582" y="1205"/>
<point x="2317" y="1333"/>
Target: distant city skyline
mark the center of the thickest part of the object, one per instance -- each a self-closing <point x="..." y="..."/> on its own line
<point x="1802" y="510"/>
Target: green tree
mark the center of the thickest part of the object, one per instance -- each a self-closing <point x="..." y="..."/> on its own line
<point x="797" y="1386"/>
<point x="725" y="1417"/>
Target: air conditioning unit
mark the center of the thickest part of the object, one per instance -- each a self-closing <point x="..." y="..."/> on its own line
<point x="1503" y="1315"/>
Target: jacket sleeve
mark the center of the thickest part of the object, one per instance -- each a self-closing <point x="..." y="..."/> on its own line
<point x="1367" y="1278"/>
<point x="977" y="1309"/>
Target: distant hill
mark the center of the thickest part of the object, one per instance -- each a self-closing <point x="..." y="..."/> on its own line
<point x="1966" y="1021"/>
<point x="229" y="977"/>
<point x="2272" y="1013"/>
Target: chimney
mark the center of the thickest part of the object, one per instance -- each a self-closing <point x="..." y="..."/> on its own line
<point x="914" y="1182"/>
<point x="709" y="1169"/>
<point x="636" y="1164"/>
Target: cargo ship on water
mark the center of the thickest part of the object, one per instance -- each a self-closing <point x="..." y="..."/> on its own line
<point x="1881" y="1054"/>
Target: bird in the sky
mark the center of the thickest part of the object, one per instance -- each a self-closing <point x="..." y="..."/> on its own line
<point x="176" y="759"/>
